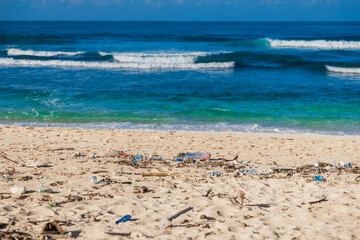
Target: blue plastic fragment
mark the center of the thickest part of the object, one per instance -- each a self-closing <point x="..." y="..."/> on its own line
<point x="214" y="173"/>
<point x="178" y="160"/>
<point x="349" y="165"/>
<point x="245" y="171"/>
<point x="123" y="219"/>
<point x="138" y="157"/>
<point x="319" y="178"/>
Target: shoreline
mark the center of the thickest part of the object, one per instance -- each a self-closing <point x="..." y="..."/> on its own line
<point x="216" y="127"/>
<point x="277" y="205"/>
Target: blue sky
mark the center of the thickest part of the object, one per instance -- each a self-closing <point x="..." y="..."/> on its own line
<point x="181" y="10"/>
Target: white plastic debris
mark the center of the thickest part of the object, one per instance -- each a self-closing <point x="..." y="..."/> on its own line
<point x="17" y="190"/>
<point x="35" y="163"/>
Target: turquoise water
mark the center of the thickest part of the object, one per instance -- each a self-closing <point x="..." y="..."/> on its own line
<point x="259" y="77"/>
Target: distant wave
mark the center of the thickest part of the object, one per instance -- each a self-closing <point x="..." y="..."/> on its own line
<point x="19" y="52"/>
<point x="158" y="58"/>
<point x="115" y="65"/>
<point x="343" y="70"/>
<point x="318" y="44"/>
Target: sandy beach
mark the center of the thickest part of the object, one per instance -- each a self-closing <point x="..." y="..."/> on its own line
<point x="281" y="201"/>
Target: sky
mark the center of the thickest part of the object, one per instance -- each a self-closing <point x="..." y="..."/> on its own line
<point x="181" y="10"/>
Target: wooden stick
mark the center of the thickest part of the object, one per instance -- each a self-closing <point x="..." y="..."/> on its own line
<point x="180" y="213"/>
<point x="11" y="222"/>
<point x="155" y="174"/>
<point x="318" y="201"/>
<point x="207" y="194"/>
<point x="5" y="157"/>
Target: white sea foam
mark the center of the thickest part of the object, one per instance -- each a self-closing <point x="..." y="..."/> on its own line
<point x="161" y="57"/>
<point x="317" y="44"/>
<point x="115" y="65"/>
<point x="343" y="70"/>
<point x="19" y="52"/>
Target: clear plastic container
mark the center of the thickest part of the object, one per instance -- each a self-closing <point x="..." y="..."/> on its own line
<point x="93" y="179"/>
<point x="199" y="155"/>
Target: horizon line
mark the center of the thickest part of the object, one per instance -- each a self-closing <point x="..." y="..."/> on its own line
<point x="233" y="21"/>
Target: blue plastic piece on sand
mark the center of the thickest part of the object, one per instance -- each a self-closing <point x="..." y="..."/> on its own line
<point x="214" y="173"/>
<point x="123" y="219"/>
<point x="349" y="165"/>
<point x="178" y="160"/>
<point x="138" y="157"/>
<point x="319" y="178"/>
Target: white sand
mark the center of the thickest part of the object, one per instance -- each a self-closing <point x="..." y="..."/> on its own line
<point x="276" y="206"/>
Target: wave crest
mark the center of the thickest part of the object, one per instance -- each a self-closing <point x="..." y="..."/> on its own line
<point x="318" y="44"/>
<point x="160" y="58"/>
<point x="19" y="52"/>
<point x="114" y="65"/>
<point x="343" y="70"/>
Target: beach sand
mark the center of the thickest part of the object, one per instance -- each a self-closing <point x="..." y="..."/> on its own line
<point x="276" y="205"/>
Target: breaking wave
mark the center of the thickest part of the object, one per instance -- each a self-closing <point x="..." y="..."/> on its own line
<point x="115" y="65"/>
<point x="159" y="58"/>
<point x="318" y="44"/>
<point x="19" y="52"/>
<point x="343" y="70"/>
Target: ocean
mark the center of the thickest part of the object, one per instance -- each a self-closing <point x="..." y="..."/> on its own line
<point x="288" y="77"/>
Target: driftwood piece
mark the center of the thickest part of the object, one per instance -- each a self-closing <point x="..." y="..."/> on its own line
<point x="119" y="234"/>
<point x="3" y="155"/>
<point x="318" y="201"/>
<point x="11" y="223"/>
<point x="208" y="192"/>
<point x="155" y="174"/>
<point x="180" y="213"/>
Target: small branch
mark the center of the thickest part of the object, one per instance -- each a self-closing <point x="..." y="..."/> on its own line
<point x="208" y="192"/>
<point x="318" y="201"/>
<point x="180" y="213"/>
<point x="11" y="222"/>
<point x="5" y="157"/>
<point x="155" y="174"/>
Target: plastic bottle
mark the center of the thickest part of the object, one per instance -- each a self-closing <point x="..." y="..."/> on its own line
<point x="93" y="179"/>
<point x="155" y="157"/>
<point x="252" y="171"/>
<point x="17" y="190"/>
<point x="164" y="223"/>
<point x="199" y="155"/>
